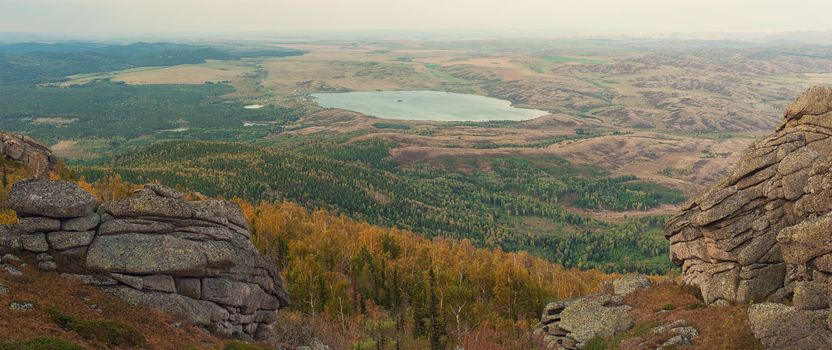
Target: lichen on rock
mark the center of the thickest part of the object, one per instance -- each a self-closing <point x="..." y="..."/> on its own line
<point x="764" y="232"/>
<point x="190" y="259"/>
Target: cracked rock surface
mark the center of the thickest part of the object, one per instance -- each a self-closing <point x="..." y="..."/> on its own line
<point x="570" y="324"/>
<point x="190" y="259"/>
<point x="764" y="232"/>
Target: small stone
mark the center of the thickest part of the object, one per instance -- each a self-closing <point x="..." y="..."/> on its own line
<point x="21" y="305"/>
<point x="688" y="332"/>
<point x="669" y="326"/>
<point x="132" y="281"/>
<point x="9" y="258"/>
<point x="317" y="344"/>
<point x="11" y="270"/>
<point x="96" y="308"/>
<point x="569" y="343"/>
<point x="47" y="266"/>
<point x="625" y="285"/>
<point x="3" y="288"/>
<point x="676" y="341"/>
<point x="721" y="302"/>
<point x="44" y="257"/>
<point x="554" y="329"/>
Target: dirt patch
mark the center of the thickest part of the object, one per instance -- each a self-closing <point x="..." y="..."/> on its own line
<point x="622" y="216"/>
<point x="54" y="121"/>
<point x="187" y="74"/>
<point x="69" y="149"/>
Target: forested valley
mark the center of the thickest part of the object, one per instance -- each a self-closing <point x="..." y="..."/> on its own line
<point x="361" y="286"/>
<point x="519" y="205"/>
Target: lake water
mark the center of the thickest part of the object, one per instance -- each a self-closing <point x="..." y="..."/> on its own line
<point x="426" y="105"/>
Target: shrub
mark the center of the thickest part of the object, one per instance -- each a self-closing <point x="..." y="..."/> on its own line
<point x="596" y="343"/>
<point x="692" y="290"/>
<point x="41" y="343"/>
<point x="694" y="306"/>
<point x="106" y="332"/>
<point x="236" y="345"/>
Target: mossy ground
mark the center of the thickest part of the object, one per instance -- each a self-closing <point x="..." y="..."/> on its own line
<point x="719" y="327"/>
<point x="69" y="315"/>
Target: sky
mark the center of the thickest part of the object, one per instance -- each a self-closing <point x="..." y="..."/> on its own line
<point x="118" y="17"/>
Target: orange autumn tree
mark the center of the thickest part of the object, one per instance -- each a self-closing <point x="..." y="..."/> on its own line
<point x="338" y="267"/>
<point x="369" y="287"/>
<point x="10" y="172"/>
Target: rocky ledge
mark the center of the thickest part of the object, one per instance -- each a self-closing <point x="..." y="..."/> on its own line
<point x="26" y="150"/>
<point x="190" y="259"/>
<point x="764" y="232"/>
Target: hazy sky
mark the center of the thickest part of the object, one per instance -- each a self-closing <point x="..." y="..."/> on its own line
<point x="582" y="16"/>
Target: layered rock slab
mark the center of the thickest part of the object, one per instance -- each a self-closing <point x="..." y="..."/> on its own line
<point x="764" y="232"/>
<point x="25" y="150"/>
<point x="725" y="238"/>
<point x="190" y="259"/>
<point x="779" y="326"/>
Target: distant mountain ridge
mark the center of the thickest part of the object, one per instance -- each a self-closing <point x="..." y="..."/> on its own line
<point x="34" y="63"/>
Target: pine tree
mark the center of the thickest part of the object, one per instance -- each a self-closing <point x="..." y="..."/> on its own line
<point x="419" y="311"/>
<point x="436" y="327"/>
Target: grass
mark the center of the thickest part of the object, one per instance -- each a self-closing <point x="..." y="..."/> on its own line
<point x="113" y="320"/>
<point x="394" y="126"/>
<point x="664" y="303"/>
<point x="106" y="332"/>
<point x="41" y="343"/>
<point x="596" y="343"/>
<point x="639" y="330"/>
<point x="236" y="345"/>
<point x="719" y="327"/>
<point x="573" y="59"/>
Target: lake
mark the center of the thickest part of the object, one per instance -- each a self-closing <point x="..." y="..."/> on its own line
<point x="426" y="105"/>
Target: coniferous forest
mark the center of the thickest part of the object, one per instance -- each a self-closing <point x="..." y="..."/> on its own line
<point x="518" y="205"/>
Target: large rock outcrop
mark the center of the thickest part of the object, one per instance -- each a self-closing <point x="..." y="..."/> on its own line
<point x="764" y="232"/>
<point x="570" y="324"/>
<point x="190" y="259"/>
<point x="26" y="150"/>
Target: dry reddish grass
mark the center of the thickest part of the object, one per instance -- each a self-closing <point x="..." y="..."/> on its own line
<point x="719" y="327"/>
<point x="50" y="290"/>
